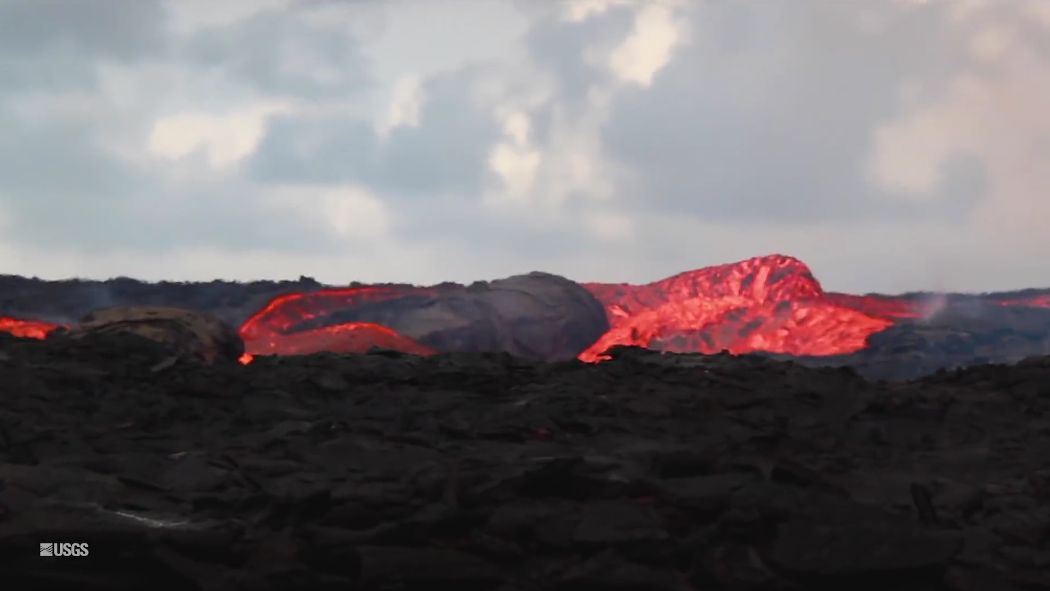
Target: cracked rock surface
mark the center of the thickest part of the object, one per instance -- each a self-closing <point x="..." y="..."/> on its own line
<point x="647" y="472"/>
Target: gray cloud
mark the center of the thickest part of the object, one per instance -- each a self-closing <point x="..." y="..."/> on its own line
<point x="55" y="73"/>
<point x="757" y="135"/>
<point x="446" y="152"/>
<point x="768" y="115"/>
<point x="460" y="222"/>
<point x="560" y="46"/>
<point x="57" y="45"/>
<point x="61" y="190"/>
<point x="125" y="29"/>
<point x="63" y="183"/>
<point x="58" y="185"/>
<point x="283" y="55"/>
<point x="326" y="149"/>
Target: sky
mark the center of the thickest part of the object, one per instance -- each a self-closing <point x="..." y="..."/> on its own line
<point x="893" y="146"/>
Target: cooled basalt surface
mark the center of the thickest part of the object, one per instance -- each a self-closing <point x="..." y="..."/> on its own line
<point x="462" y="471"/>
<point x="185" y="333"/>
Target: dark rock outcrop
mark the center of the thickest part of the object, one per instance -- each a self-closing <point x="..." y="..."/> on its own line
<point x="67" y="301"/>
<point x="184" y="333"/>
<point x="535" y="316"/>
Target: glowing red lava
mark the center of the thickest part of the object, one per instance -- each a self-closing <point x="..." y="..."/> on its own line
<point x="273" y="329"/>
<point x="286" y="311"/>
<point x="771" y="304"/>
<point x="27" y="329"/>
<point x="351" y="337"/>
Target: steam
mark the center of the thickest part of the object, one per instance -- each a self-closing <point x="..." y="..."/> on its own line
<point x="932" y="305"/>
<point x="98" y="296"/>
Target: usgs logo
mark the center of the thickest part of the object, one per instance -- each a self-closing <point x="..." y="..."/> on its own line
<point x="63" y="549"/>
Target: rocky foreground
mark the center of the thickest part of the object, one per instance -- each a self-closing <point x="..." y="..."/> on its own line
<point x="472" y="472"/>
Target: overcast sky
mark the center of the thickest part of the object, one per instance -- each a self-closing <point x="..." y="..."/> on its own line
<point x="892" y="144"/>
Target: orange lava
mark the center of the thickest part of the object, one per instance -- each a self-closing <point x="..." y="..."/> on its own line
<point x="351" y="337"/>
<point x="27" y="329"/>
<point x="285" y="311"/>
<point x="771" y="304"/>
<point x="273" y="329"/>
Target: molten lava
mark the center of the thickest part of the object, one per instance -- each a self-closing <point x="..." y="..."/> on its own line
<point x="350" y="337"/>
<point x="771" y="304"/>
<point x="285" y="312"/>
<point x="27" y="329"/>
<point x="294" y="324"/>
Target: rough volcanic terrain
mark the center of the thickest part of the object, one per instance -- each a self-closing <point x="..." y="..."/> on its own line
<point x="772" y="305"/>
<point x="473" y="472"/>
<point x="67" y="301"/>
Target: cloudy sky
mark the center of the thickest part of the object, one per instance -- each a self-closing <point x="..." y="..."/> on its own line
<point x="892" y="144"/>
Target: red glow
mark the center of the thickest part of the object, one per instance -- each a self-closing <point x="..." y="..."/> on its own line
<point x="1037" y="301"/>
<point x="771" y="304"/>
<point x="27" y="329"/>
<point x="271" y="330"/>
<point x="285" y="311"/>
<point x="877" y="305"/>
<point x="351" y="337"/>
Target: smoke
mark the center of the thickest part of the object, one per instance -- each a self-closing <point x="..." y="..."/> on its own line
<point x="97" y="296"/>
<point x="932" y="305"/>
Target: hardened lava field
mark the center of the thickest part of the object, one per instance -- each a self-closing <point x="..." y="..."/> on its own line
<point x="485" y="471"/>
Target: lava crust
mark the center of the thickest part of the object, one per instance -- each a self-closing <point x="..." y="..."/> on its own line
<point x="476" y="472"/>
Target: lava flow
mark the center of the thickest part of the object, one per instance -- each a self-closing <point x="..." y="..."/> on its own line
<point x="27" y="329"/>
<point x="349" y="337"/>
<point x="295" y="324"/>
<point x="772" y="304"/>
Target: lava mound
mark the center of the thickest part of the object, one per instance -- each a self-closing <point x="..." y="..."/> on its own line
<point x="534" y="316"/>
<point x="184" y="333"/>
<point x="771" y="304"/>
